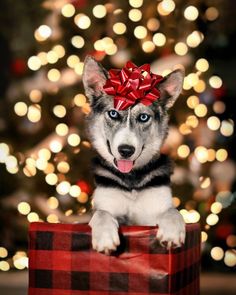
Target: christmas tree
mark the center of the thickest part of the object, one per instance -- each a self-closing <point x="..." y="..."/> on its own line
<point x="45" y="153"/>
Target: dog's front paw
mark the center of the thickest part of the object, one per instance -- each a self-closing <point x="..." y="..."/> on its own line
<point x="171" y="231"/>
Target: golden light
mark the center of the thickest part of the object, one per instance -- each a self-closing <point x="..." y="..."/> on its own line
<point x="99" y="11"/>
<point x="33" y="217"/>
<point x="51" y="179"/>
<point x="49" y="168"/>
<point x="111" y="49"/>
<point x="60" y="50"/>
<point x="192" y="121"/>
<point x="181" y="48"/>
<point x="140" y="32"/>
<point x="77" y="41"/>
<point x="34" y="63"/>
<point x="54" y="75"/>
<point x="35" y="95"/>
<point x="62" y="129"/>
<point x="44" y="32"/>
<point x="212" y="13"/>
<point x="72" y="61"/>
<point x="11" y="162"/>
<point x="55" y="146"/>
<point x="201" y="154"/>
<point x="200" y="110"/>
<point x="159" y="39"/>
<point x="205" y="182"/>
<point x="119" y="28"/>
<point x="230" y="258"/>
<point x="43" y="58"/>
<point x="83" y="198"/>
<point x="52" y="57"/>
<point x="4" y="152"/>
<point x="75" y="191"/>
<point x="221" y="155"/>
<point x="34" y="113"/>
<point x="216" y="207"/>
<point x="44" y="153"/>
<point x="192" y="79"/>
<point x="194" y="39"/>
<point x="63" y="167"/>
<point x="98" y="45"/>
<point x="3" y="252"/>
<point x="183" y="151"/>
<point x="191" y="13"/>
<point x="202" y="65"/>
<point x="215" y="82"/>
<point x="59" y="111"/>
<point x="20" y="108"/>
<point x="68" y="10"/>
<point x="217" y="253"/>
<point x="153" y="24"/>
<point x="200" y="86"/>
<point x="82" y="21"/>
<point x="63" y="188"/>
<point x="227" y="128"/>
<point x="148" y="46"/>
<point x="231" y="241"/>
<point x="176" y="202"/>
<point x="184" y="129"/>
<point x="79" y="68"/>
<point x="135" y="15"/>
<point x="29" y="171"/>
<point x="186" y="85"/>
<point x="52" y="218"/>
<point x="4" y="266"/>
<point x="212" y="219"/>
<point x="213" y="123"/>
<point x="204" y="236"/>
<point x="136" y="3"/>
<point x="80" y="100"/>
<point x="24" y="208"/>
<point x="68" y="212"/>
<point x="166" y="7"/>
<point x="219" y="107"/>
<point x="193" y="216"/>
<point x="192" y="101"/>
<point x="53" y="203"/>
<point x="73" y="139"/>
<point x="211" y="155"/>
<point x="41" y="164"/>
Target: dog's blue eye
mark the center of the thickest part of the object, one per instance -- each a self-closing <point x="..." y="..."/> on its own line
<point x="143" y="118"/>
<point x="113" y="114"/>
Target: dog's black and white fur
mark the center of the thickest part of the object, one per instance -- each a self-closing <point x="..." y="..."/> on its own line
<point x="141" y="196"/>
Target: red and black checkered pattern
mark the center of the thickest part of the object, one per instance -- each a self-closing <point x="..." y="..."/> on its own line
<point x="61" y="262"/>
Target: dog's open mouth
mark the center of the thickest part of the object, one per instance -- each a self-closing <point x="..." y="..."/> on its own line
<point x="124" y="166"/>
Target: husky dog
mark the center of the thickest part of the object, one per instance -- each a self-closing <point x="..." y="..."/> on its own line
<point x="132" y="177"/>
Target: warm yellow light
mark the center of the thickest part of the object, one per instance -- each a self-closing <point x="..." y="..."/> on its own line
<point x="211" y="13"/>
<point x="62" y="129"/>
<point x="59" y="111"/>
<point x="4" y="266"/>
<point x="211" y="155"/>
<point x="63" y="167"/>
<point x="99" y="11"/>
<point x="200" y="110"/>
<point x="153" y="24"/>
<point x="200" y="86"/>
<point x="11" y="162"/>
<point x="73" y="139"/>
<point x="44" y="31"/>
<point x="54" y="75"/>
<point x="212" y="219"/>
<point x="183" y="151"/>
<point x="192" y="101"/>
<point x="55" y="146"/>
<point x="77" y="41"/>
<point x="82" y="21"/>
<point x="191" y="13"/>
<point x="148" y="46"/>
<point x="184" y="129"/>
<point x="119" y="28"/>
<point x="34" y="113"/>
<point x="159" y="39"/>
<point x="166" y="7"/>
<point x="52" y="57"/>
<point x="192" y="79"/>
<point x="230" y="258"/>
<point x="181" y="48"/>
<point x="20" y="108"/>
<point x="3" y="252"/>
<point x="140" y="32"/>
<point x="4" y="152"/>
<point x="60" y="50"/>
<point x="75" y="191"/>
<point x="194" y="39"/>
<point x="44" y="153"/>
<point x="43" y="58"/>
<point x="136" y="3"/>
<point x="24" y="208"/>
<point x="192" y="121"/>
<point x="217" y="253"/>
<point x="63" y="188"/>
<point x="80" y="100"/>
<point x="215" y="82"/>
<point x="227" y="128"/>
<point x="41" y="163"/>
<point x="51" y="178"/>
<point x="53" y="203"/>
<point x="35" y="95"/>
<point x="49" y="168"/>
<point x="202" y="65"/>
<point x="79" y="68"/>
<point x="213" y="123"/>
<point x="72" y="61"/>
<point x="34" y="63"/>
<point x="111" y="49"/>
<point x="135" y="15"/>
<point x="216" y="207"/>
<point x="68" y="10"/>
<point x="204" y="236"/>
<point x="52" y="218"/>
<point x="221" y="155"/>
<point x="201" y="154"/>
<point x="205" y="182"/>
<point x="83" y="198"/>
<point x="176" y="201"/>
<point x="33" y="217"/>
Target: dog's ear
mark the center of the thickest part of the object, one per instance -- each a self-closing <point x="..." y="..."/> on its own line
<point x="94" y="77"/>
<point x="170" y="87"/>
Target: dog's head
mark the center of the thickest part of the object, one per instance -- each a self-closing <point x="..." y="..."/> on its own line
<point x="127" y="139"/>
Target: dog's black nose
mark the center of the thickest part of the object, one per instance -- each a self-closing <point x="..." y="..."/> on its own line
<point x="126" y="150"/>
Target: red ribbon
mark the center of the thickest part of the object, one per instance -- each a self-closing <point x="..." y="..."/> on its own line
<point x="132" y="85"/>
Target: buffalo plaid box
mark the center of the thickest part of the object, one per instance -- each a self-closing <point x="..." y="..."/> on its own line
<point x="61" y="262"/>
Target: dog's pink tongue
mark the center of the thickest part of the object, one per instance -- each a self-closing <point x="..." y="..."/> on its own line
<point x="125" y="166"/>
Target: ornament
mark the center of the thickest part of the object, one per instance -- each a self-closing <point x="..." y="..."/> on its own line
<point x="132" y="85"/>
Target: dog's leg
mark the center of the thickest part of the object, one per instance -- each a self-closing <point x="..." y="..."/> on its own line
<point x="171" y="231"/>
<point x="105" y="236"/>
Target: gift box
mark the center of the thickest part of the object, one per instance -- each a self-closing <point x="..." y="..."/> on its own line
<point x="62" y="262"/>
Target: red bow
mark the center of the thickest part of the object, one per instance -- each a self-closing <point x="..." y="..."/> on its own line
<point x="131" y="85"/>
